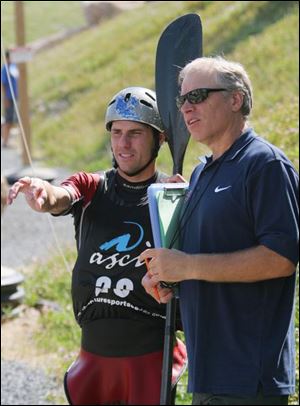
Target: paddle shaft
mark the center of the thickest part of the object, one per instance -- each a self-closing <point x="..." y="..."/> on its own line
<point x="179" y="43"/>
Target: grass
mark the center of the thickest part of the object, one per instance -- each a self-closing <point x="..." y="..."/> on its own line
<point x="71" y="84"/>
<point x="59" y="333"/>
<point x="58" y="16"/>
<point x="88" y="87"/>
<point x="68" y="105"/>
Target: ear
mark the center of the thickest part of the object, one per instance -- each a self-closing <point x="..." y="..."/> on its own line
<point x="237" y="99"/>
<point x="162" y="138"/>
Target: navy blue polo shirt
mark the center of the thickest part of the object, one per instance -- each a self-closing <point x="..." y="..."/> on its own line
<point x="241" y="335"/>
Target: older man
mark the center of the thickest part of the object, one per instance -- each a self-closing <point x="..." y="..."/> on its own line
<point x="239" y="247"/>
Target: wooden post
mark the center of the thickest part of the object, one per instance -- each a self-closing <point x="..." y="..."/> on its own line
<point x="23" y="94"/>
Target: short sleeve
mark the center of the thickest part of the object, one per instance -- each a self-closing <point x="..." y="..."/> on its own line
<point x="273" y="197"/>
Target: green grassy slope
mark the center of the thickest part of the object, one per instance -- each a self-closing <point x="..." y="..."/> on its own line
<point x="71" y="84"/>
<point x="42" y="18"/>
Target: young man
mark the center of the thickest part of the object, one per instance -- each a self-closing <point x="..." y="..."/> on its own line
<point x="239" y="248"/>
<point x="120" y="360"/>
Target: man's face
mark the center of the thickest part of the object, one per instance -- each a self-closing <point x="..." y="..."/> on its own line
<point x="132" y="145"/>
<point x="209" y="119"/>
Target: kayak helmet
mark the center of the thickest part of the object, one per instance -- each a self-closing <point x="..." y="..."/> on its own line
<point x="134" y="104"/>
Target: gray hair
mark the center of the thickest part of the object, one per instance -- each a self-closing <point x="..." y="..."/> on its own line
<point x="227" y="74"/>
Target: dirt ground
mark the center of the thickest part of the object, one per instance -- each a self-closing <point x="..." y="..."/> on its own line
<point x="17" y="339"/>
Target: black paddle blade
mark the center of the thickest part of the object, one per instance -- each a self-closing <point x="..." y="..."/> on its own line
<point x="180" y="43"/>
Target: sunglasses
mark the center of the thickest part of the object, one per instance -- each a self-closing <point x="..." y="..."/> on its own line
<point x="195" y="96"/>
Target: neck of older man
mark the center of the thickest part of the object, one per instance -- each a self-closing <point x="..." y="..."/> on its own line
<point x="223" y="141"/>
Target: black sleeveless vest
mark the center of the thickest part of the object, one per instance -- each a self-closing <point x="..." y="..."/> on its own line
<point x="117" y="316"/>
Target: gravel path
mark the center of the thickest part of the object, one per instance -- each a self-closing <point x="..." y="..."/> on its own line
<point x="21" y="385"/>
<point x="27" y="236"/>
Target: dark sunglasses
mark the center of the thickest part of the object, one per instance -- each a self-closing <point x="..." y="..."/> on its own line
<point x="195" y="96"/>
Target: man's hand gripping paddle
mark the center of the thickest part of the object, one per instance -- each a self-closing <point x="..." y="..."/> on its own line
<point x="180" y="43"/>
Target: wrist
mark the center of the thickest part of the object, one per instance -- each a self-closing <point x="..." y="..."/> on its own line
<point x="50" y="201"/>
<point x="192" y="266"/>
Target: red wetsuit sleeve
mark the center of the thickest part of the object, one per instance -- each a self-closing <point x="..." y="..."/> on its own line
<point x="82" y="185"/>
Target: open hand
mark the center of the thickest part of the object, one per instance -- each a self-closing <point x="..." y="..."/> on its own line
<point x="35" y="192"/>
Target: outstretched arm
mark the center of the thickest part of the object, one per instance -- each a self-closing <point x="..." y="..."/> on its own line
<point x="40" y="195"/>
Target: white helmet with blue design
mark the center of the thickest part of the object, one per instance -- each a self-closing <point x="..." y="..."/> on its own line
<point x="134" y="104"/>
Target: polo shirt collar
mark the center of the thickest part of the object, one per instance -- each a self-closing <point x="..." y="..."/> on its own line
<point x="234" y="150"/>
<point x="241" y="143"/>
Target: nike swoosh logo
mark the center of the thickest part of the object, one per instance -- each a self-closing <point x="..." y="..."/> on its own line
<point x="220" y="189"/>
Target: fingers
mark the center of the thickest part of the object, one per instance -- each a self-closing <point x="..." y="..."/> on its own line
<point x="40" y="197"/>
<point x="17" y="187"/>
<point x="151" y="281"/>
<point x="33" y="189"/>
<point x="150" y="258"/>
<point x="175" y="179"/>
<point x="165" y="294"/>
<point x="153" y="288"/>
<point x="148" y="254"/>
